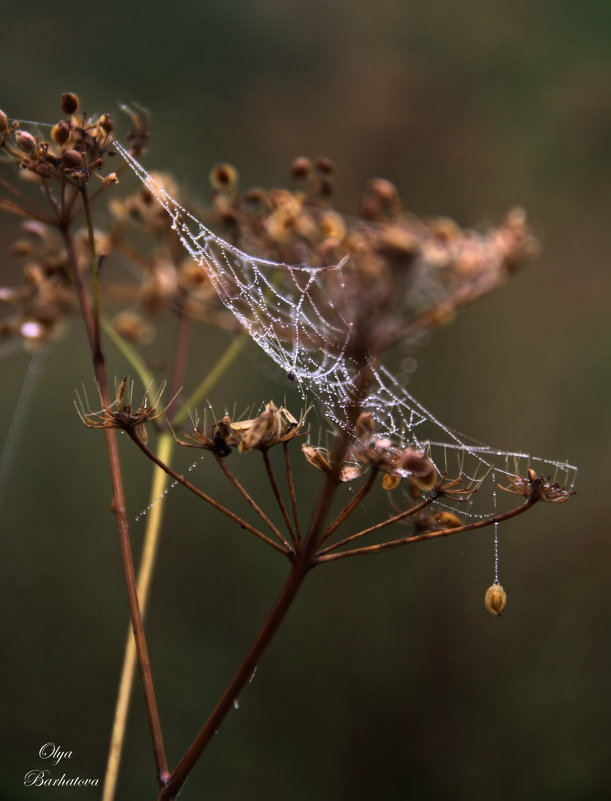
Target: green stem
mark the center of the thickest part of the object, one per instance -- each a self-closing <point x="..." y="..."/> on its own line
<point x="223" y="364"/>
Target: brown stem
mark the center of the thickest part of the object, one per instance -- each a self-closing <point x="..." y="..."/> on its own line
<point x="396" y="519"/>
<point x="219" y="507"/>
<point x="251" y="502"/>
<point x="289" y="478"/>
<point x="429" y="535"/>
<point x="180" y="359"/>
<point x="298" y="573"/>
<point x="350" y="507"/>
<point x="278" y="497"/>
<point x="121" y="515"/>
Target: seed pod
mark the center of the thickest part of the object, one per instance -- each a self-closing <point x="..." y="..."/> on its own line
<point x="69" y="103"/>
<point x="390" y="481"/>
<point x="3" y="122"/>
<point x="301" y="167"/>
<point x="495" y="599"/>
<point x="25" y="141"/>
<point x="324" y="165"/>
<point x="72" y="159"/>
<point x="384" y="190"/>
<point x="106" y="123"/>
<point x="223" y="176"/>
<point x="60" y="133"/>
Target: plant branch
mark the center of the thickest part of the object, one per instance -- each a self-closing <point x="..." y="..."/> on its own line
<point x="252" y="503"/>
<point x="121" y="516"/>
<point x="429" y="535"/>
<point x="396" y="519"/>
<point x="289" y="478"/>
<point x="350" y="507"/>
<point x="219" y="507"/>
<point x="274" y="485"/>
<point x="145" y="571"/>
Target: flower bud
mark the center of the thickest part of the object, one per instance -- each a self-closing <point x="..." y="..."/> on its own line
<point x="69" y="103"/>
<point x="495" y="599"/>
<point x="25" y="141"/>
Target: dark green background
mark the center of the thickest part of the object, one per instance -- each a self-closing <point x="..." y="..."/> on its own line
<point x="388" y="680"/>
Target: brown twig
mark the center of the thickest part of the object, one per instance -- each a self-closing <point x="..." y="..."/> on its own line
<point x="219" y="507"/>
<point x="278" y="497"/>
<point x="378" y="526"/>
<point x="251" y="502"/>
<point x="121" y="515"/>
<point x="350" y="507"/>
<point x="299" y="570"/>
<point x="429" y="535"/>
<point x="289" y="478"/>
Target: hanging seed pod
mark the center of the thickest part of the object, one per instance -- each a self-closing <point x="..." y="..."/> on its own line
<point x="495" y="599"/>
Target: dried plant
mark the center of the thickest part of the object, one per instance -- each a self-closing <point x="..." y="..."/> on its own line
<point x="323" y="294"/>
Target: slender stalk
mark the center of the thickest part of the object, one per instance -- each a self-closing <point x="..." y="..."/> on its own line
<point x="302" y="564"/>
<point x="129" y="352"/>
<point x="151" y="542"/>
<point x="396" y="519"/>
<point x="429" y="535"/>
<point x="219" y="507"/>
<point x="289" y="478"/>
<point x="298" y="573"/>
<point x="121" y="515"/>
<point x="351" y="506"/>
<point x="213" y="376"/>
<point x="145" y="571"/>
<point x="278" y="496"/>
<point x="95" y="300"/>
<point x="251" y="502"/>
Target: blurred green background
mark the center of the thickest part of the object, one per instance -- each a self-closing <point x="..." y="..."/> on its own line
<point x="388" y="679"/>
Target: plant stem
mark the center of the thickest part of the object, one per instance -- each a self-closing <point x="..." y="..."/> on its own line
<point x="202" y="495"/>
<point x="251" y="502"/>
<point x="213" y="376"/>
<point x="396" y="519"/>
<point x="278" y="496"/>
<point x="298" y="573"/>
<point x="151" y="540"/>
<point x="289" y="478"/>
<point x="429" y="535"/>
<point x="121" y="515"/>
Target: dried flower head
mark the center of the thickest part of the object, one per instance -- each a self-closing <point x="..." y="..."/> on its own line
<point x="538" y="488"/>
<point x="122" y="413"/>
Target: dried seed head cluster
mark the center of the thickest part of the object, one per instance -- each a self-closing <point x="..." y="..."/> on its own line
<point x="372" y="451"/>
<point x="65" y="166"/>
<point x="122" y="413"/>
<point x="271" y="427"/>
<point x="404" y="275"/>
<point x="538" y="488"/>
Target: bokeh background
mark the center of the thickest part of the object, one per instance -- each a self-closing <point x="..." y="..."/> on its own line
<point x="388" y="679"/>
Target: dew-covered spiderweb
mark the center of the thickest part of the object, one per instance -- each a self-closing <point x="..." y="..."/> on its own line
<point x="289" y="312"/>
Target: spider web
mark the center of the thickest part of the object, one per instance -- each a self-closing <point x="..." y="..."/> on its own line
<point x="289" y="312"/>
